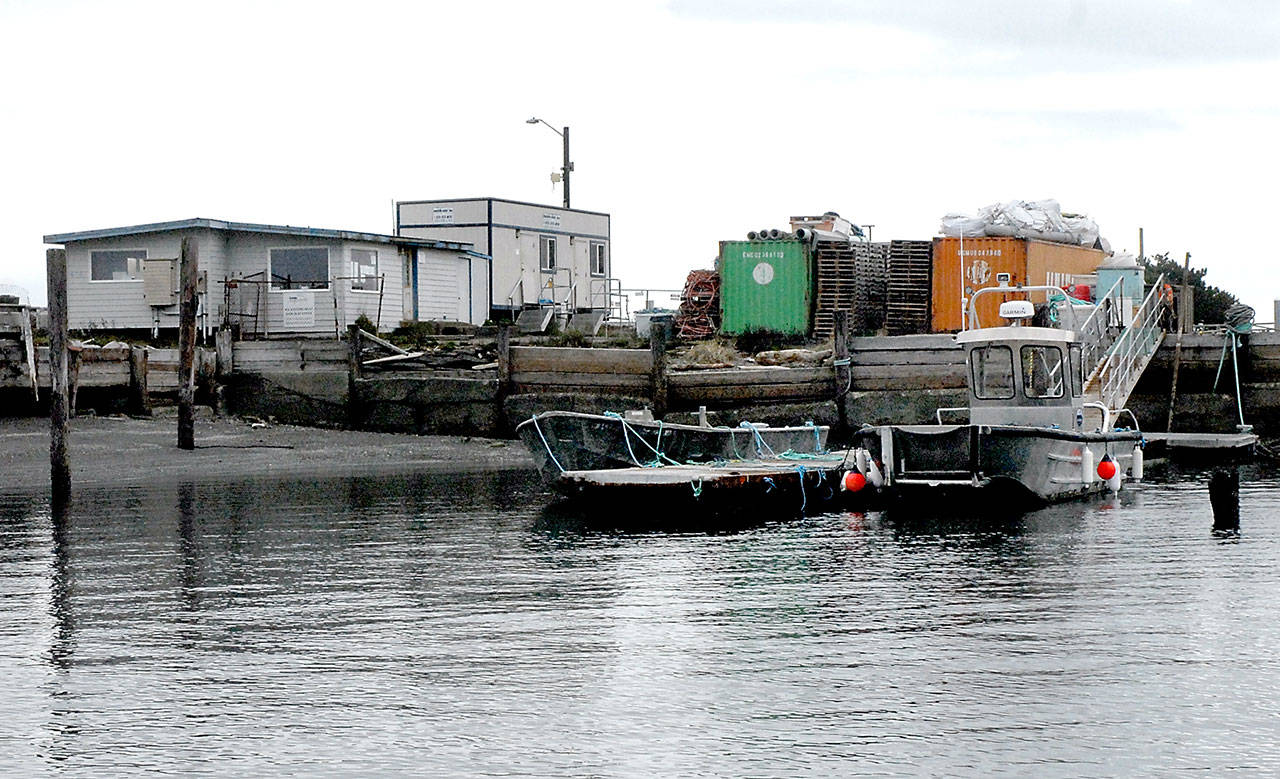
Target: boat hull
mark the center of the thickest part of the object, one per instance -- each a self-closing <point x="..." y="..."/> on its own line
<point x="992" y="465"/>
<point x="563" y="441"/>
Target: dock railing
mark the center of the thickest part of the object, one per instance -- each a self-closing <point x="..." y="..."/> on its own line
<point x="1133" y="349"/>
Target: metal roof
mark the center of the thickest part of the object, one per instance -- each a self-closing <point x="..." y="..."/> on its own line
<point x="247" y="227"/>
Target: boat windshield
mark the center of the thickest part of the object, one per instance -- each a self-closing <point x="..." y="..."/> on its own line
<point x="992" y="369"/>
<point x="1042" y="371"/>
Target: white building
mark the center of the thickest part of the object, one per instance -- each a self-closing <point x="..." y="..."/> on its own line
<point x="542" y="255"/>
<point x="270" y="279"/>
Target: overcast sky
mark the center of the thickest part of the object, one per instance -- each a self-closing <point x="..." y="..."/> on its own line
<point x="693" y="121"/>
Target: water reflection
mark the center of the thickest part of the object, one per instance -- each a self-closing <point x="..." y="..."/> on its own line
<point x="448" y="624"/>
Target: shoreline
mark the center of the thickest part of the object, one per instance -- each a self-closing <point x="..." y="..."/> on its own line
<point x="123" y="450"/>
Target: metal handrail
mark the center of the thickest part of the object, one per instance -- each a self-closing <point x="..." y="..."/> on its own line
<point x="1120" y="370"/>
<point x="511" y="296"/>
<point x="1097" y="335"/>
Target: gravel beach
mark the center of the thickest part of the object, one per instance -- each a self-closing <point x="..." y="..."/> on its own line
<point x="128" y="450"/>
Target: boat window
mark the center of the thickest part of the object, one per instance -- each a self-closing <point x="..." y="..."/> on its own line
<point x="1077" y="372"/>
<point x="1043" y="372"/>
<point x="992" y="368"/>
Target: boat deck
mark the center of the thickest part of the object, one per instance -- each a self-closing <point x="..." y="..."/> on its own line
<point x="708" y="473"/>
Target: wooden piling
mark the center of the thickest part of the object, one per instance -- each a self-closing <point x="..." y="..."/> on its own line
<point x="840" y="355"/>
<point x="504" y="376"/>
<point x="73" y="378"/>
<point x="59" y="427"/>
<point x="223" y="351"/>
<point x="1224" y="497"/>
<point x="139" y="395"/>
<point x="354" y="372"/>
<point x="187" y="345"/>
<point x="658" y="374"/>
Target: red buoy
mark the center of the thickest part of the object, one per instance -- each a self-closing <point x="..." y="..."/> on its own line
<point x="1106" y="467"/>
<point x="853" y="481"/>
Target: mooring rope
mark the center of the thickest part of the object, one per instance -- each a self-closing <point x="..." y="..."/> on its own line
<point x="550" y="453"/>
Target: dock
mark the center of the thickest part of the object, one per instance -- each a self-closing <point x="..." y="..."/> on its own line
<point x="1201" y="445"/>
<point x="774" y="484"/>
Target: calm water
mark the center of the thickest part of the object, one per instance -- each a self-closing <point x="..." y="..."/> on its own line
<point x="444" y="625"/>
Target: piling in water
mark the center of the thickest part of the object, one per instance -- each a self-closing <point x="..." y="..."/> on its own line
<point x="1224" y="496"/>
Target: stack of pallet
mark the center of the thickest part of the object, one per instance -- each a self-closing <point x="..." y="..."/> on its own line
<point x="910" y="287"/>
<point x="852" y="277"/>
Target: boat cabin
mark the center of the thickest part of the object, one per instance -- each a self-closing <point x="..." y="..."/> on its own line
<point x="1030" y="376"/>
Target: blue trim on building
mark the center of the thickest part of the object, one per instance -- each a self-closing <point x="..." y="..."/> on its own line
<point x="497" y="200"/>
<point x="545" y="231"/>
<point x="247" y="227"/>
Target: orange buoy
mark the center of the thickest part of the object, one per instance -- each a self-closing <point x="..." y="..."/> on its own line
<point x="1106" y="467"/>
<point x="853" y="481"/>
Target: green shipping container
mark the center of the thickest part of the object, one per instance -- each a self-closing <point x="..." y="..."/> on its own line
<point x="765" y="285"/>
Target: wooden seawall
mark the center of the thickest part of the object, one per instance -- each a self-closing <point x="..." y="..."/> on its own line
<point x="890" y="379"/>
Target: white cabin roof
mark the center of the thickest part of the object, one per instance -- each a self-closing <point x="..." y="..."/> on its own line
<point x="994" y="334"/>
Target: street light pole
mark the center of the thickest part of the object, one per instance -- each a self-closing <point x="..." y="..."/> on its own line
<point x="568" y="166"/>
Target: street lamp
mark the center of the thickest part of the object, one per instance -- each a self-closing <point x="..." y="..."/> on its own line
<point x="568" y="166"/>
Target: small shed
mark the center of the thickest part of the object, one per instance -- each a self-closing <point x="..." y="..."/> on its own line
<point x="269" y="279"/>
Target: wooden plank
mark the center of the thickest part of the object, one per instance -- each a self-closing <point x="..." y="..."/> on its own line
<point x="368" y="336"/>
<point x="105" y="355"/>
<point x="393" y="358"/>
<point x="565" y="378"/>
<point x="753" y="377"/>
<point x="915" y="357"/>
<point x="552" y="359"/>
<point x="815" y="390"/>
<point x="904" y="342"/>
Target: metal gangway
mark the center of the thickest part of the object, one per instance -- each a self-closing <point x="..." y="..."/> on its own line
<point x="1121" y="354"/>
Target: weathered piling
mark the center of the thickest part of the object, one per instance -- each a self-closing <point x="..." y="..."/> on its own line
<point x="658" y="380"/>
<point x="187" y="346"/>
<point x="504" y="376"/>
<point x="354" y="371"/>
<point x="1224" y="497"/>
<point x="139" y="395"/>
<point x="59" y="427"/>
<point x="840" y="355"/>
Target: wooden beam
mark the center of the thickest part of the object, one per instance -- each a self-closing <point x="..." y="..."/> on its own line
<point x="139" y="394"/>
<point x="59" y="427"/>
<point x="368" y="336"/>
<point x="190" y="270"/>
<point x="658" y="372"/>
<point x="844" y="379"/>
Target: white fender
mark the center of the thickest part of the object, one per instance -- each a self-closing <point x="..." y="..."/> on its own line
<point x="1115" y="481"/>
<point x="1135" y="465"/>
<point x="874" y="475"/>
<point x="860" y="460"/>
<point x="1086" y="464"/>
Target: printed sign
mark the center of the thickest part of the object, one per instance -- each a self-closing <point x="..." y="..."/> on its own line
<point x="762" y="273"/>
<point x="299" y="309"/>
<point x="551" y="221"/>
<point x="441" y="216"/>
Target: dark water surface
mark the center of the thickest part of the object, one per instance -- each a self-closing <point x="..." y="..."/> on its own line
<point x="448" y="626"/>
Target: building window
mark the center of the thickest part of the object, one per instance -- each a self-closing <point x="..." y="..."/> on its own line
<point x="306" y="268"/>
<point x="598" y="265"/>
<point x="364" y="269"/>
<point x="547" y="252"/>
<point x="116" y="264"/>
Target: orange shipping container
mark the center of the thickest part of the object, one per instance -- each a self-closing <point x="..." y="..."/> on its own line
<point x="1028" y="262"/>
